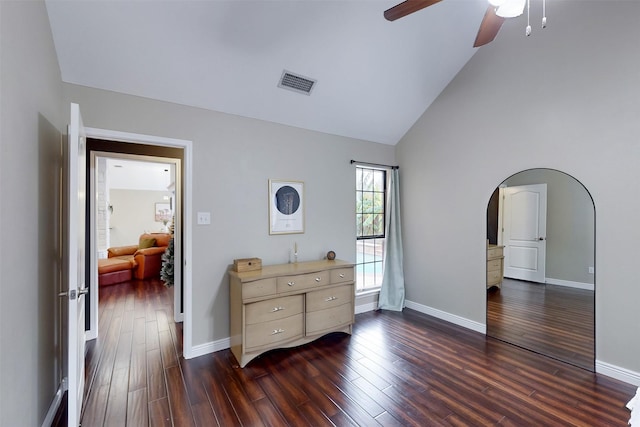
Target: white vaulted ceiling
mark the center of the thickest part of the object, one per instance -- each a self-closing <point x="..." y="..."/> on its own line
<point x="375" y="78"/>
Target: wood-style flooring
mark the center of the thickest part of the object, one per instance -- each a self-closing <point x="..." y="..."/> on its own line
<point x="556" y="321"/>
<point x="397" y="369"/>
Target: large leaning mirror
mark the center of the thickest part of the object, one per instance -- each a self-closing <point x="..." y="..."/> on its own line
<point x="541" y="266"/>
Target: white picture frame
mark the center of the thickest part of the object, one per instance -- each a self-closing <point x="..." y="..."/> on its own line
<point x="286" y="207"/>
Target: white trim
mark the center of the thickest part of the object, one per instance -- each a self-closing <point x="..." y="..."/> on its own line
<point x="92" y="332"/>
<point x="617" y="372"/>
<point x="365" y="307"/>
<point x="187" y="146"/>
<point x="210" y="347"/>
<point x="448" y="317"/>
<point x="569" y="284"/>
<point x="368" y="292"/>
<point x="55" y="404"/>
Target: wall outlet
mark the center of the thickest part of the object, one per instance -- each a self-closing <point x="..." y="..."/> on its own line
<point x="591" y="270"/>
<point x="204" y="218"/>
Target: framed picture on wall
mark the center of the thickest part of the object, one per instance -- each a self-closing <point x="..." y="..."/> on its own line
<point x="163" y="212"/>
<point x="286" y="207"/>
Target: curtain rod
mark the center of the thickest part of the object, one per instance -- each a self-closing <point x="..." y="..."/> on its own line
<point x="374" y="164"/>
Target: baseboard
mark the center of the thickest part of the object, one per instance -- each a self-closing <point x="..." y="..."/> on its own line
<point x="569" y="284"/>
<point x="225" y="343"/>
<point x="617" y="372"/>
<point x="55" y="404"/>
<point x="448" y="317"/>
<point x="366" y="307"/>
<point x="210" y="347"/>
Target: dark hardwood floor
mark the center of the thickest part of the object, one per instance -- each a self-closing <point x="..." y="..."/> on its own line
<point x="556" y="321"/>
<point x="398" y="369"/>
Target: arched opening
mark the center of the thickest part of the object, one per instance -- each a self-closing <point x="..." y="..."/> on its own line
<point x="541" y="284"/>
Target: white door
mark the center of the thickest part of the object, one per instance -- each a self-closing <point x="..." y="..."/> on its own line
<point x="76" y="265"/>
<point x="524" y="231"/>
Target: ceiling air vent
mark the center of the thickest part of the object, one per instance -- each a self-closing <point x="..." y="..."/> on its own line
<point x="296" y="82"/>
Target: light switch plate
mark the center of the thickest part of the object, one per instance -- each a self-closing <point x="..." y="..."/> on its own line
<point x="204" y="218"/>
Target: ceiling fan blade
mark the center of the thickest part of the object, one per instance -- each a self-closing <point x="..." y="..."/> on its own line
<point x="489" y="27"/>
<point x="406" y="8"/>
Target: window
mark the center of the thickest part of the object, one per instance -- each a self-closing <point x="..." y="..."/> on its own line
<point x="371" y="197"/>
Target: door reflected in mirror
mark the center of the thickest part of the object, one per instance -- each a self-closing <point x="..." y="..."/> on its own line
<point x="544" y="220"/>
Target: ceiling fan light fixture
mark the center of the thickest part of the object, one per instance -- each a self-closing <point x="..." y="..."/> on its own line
<point x="496" y="3"/>
<point x="511" y="8"/>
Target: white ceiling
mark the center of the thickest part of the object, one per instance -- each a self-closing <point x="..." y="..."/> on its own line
<point x="126" y="174"/>
<point x="375" y="78"/>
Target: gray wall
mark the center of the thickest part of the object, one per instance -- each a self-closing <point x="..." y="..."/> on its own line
<point x="31" y="122"/>
<point x="566" y="98"/>
<point x="233" y="159"/>
<point x="570" y="224"/>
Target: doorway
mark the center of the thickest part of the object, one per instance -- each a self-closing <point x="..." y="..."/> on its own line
<point x="557" y="316"/>
<point x="126" y="144"/>
<point x="522" y="211"/>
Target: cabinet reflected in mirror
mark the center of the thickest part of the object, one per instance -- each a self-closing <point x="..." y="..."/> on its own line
<point x="545" y="221"/>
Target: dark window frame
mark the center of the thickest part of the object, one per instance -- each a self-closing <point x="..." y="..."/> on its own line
<point x="376" y="193"/>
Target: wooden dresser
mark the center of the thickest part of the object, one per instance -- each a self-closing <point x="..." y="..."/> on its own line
<point x="495" y="265"/>
<point x="288" y="305"/>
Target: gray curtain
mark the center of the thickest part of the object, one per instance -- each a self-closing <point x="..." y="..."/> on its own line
<point x="392" y="290"/>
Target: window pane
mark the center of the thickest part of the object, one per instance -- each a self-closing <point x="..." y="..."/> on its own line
<point x="379" y="180"/>
<point x="367" y="225"/>
<point x="358" y="179"/>
<point x="378" y="249"/>
<point x="369" y="276"/>
<point x="358" y="202"/>
<point x="378" y="272"/>
<point x="360" y="277"/>
<point x="378" y="224"/>
<point x="378" y="202"/>
<point x="367" y="179"/>
<point x="359" y="225"/>
<point x="367" y="202"/>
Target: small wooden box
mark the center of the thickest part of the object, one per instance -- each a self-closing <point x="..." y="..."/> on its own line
<point x="247" y="264"/>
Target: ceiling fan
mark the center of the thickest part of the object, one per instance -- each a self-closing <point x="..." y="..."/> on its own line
<point x="495" y="15"/>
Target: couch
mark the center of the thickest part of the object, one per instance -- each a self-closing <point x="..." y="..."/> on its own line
<point x="145" y="258"/>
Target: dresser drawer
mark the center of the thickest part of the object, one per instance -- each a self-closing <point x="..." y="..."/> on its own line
<point x="494" y="264"/>
<point x="259" y="288"/>
<point x="327" y="298"/>
<point x="274" y="332"/>
<point x="331" y="318"/>
<point x="494" y="277"/>
<point x="494" y="252"/>
<point x="341" y="275"/>
<point x="302" y="281"/>
<point x="273" y="309"/>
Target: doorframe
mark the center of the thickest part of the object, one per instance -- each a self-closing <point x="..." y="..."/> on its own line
<point x="187" y="225"/>
<point x="178" y="313"/>
<point x="502" y="190"/>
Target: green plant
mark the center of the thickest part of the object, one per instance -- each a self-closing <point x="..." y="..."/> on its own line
<point x="166" y="273"/>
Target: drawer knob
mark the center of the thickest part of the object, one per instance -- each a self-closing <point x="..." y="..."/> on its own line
<point x="317" y="279"/>
<point x="277" y="331"/>
<point x="342" y="275"/>
<point x="331" y="299"/>
<point x="277" y="309"/>
<point x="291" y="283"/>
